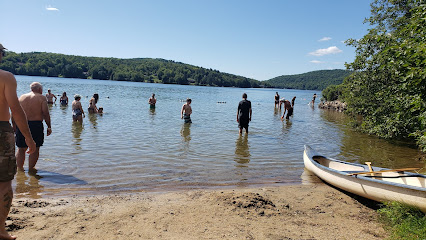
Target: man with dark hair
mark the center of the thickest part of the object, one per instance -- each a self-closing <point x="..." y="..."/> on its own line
<point x="9" y="100"/>
<point x="287" y="108"/>
<point x="244" y="113"/>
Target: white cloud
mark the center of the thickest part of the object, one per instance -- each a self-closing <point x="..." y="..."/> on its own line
<point x="324" y="39"/>
<point x="326" y="51"/>
<point x="50" y="8"/>
<point x="316" y="62"/>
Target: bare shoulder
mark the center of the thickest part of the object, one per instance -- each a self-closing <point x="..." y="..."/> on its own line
<point x="6" y="77"/>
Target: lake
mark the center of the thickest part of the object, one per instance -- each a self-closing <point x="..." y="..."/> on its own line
<point x="133" y="148"/>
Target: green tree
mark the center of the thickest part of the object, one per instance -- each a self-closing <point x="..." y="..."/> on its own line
<point x="388" y="85"/>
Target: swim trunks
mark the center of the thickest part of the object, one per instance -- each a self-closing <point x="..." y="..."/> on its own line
<point x="76" y="113"/>
<point x="151" y="105"/>
<point x="289" y="113"/>
<point x="7" y="151"/>
<point x="187" y="118"/>
<point x="37" y="132"/>
<point x="243" y="124"/>
<point x="63" y="102"/>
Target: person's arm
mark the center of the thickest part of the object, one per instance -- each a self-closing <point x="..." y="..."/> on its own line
<point x="250" y="114"/>
<point x="54" y="97"/>
<point x="81" y="109"/>
<point x="19" y="117"/>
<point x="238" y="111"/>
<point x="46" y="115"/>
<point x="181" y="111"/>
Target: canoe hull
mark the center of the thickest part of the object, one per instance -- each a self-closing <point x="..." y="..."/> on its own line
<point x="370" y="188"/>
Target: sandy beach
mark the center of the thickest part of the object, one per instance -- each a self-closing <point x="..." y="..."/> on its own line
<point x="315" y="211"/>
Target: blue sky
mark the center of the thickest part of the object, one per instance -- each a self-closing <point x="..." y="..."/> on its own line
<point x="256" y="39"/>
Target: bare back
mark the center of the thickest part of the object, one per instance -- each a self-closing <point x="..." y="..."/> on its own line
<point x="7" y="91"/>
<point x="34" y="105"/>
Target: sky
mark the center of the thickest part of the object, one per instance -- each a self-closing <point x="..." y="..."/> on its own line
<point x="259" y="39"/>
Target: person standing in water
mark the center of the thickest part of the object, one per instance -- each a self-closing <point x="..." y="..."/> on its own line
<point x="77" y="109"/>
<point x="186" y="111"/>
<point x="92" y="104"/>
<point x="313" y="99"/>
<point x="152" y="101"/>
<point x="9" y="100"/>
<point x="36" y="109"/>
<point x="277" y="99"/>
<point x="50" y="96"/>
<point x="64" y="99"/>
<point x="244" y="113"/>
<point x="288" y="108"/>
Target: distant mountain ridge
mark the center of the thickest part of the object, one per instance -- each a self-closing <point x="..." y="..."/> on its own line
<point x="315" y="80"/>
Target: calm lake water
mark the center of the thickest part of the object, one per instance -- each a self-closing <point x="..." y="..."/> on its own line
<point x="133" y="148"/>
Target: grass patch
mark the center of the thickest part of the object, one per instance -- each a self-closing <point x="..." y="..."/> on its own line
<point x="404" y="222"/>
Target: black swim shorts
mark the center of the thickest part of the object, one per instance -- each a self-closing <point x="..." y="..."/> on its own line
<point x="289" y="113"/>
<point x="243" y="123"/>
<point x="37" y="132"/>
<point x="7" y="151"/>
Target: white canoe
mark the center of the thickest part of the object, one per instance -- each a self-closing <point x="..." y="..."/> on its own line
<point x="382" y="185"/>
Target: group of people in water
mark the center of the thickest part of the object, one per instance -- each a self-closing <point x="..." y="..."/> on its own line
<point x="77" y="109"/>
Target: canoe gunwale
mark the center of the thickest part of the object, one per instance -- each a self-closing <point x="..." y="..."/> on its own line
<point x="312" y="153"/>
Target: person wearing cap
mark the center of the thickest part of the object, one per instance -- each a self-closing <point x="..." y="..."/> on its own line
<point x="152" y="101"/>
<point x="287" y="108"/>
<point x="9" y="100"/>
<point x="50" y="96"/>
<point x="35" y="106"/>
<point x="77" y="109"/>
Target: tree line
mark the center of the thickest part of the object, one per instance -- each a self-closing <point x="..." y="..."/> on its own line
<point x="136" y="70"/>
<point x="315" y="80"/>
<point x="386" y="91"/>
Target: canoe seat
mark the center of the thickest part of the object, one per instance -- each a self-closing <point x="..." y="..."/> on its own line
<point x="349" y="172"/>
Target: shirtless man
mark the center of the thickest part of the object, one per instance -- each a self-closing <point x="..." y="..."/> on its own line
<point x="152" y="101"/>
<point x="186" y="111"/>
<point x="35" y="106"/>
<point x="9" y="100"/>
<point x="50" y="97"/>
<point x="288" y="108"/>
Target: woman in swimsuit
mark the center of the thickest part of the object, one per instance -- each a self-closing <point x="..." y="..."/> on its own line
<point x="64" y="99"/>
<point x="77" y="109"/>
<point x="92" y="104"/>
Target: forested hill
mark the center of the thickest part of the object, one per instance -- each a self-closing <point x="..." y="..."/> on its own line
<point x="137" y="70"/>
<point x="316" y="80"/>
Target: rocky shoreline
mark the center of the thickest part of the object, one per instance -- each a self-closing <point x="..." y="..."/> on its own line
<point x="333" y="105"/>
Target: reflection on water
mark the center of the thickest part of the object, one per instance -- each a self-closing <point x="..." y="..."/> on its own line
<point x="28" y="186"/>
<point x="77" y="129"/>
<point x="93" y="118"/>
<point x="185" y="132"/>
<point x="242" y="151"/>
<point x="64" y="109"/>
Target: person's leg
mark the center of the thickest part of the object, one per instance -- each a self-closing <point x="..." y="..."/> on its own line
<point x="241" y="130"/>
<point x="247" y="129"/>
<point x="20" y="158"/>
<point x="6" y="195"/>
<point x="33" y="158"/>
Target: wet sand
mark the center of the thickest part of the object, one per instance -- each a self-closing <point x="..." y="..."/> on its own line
<point x="286" y="212"/>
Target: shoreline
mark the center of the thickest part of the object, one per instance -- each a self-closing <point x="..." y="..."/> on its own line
<point x="315" y="211"/>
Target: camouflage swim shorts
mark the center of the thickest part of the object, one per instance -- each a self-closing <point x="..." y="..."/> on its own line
<point x="7" y="152"/>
